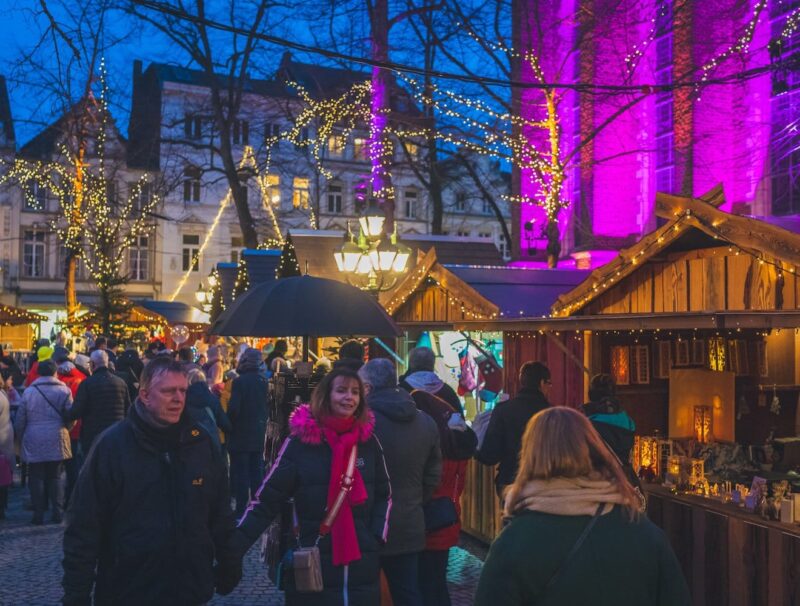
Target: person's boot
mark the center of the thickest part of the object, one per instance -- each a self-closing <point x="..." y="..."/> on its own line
<point x="55" y="488"/>
<point x="36" y="486"/>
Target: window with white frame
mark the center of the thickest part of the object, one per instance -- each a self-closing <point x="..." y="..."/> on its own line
<point x="360" y="149"/>
<point x="191" y="252"/>
<point x="191" y="184"/>
<point x="192" y="126"/>
<point x="484" y="234"/>
<point x="272" y="131"/>
<point x="35" y="197"/>
<point x="502" y="246"/>
<point x="273" y="183"/>
<point x="463" y="233"/>
<point x="336" y="144"/>
<point x="142" y="194"/>
<point x="410" y="203"/>
<point x="240" y="132"/>
<point x="460" y="202"/>
<point x="34" y="247"/>
<point x="486" y="207"/>
<point x="361" y="193"/>
<point x="335" y="190"/>
<point x="300" y="192"/>
<point x="139" y="259"/>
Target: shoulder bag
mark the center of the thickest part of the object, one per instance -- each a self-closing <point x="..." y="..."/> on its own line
<point x="306" y="562"/>
<point x="561" y="567"/>
<point x="60" y="413"/>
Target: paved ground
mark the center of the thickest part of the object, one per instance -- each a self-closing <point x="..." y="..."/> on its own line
<point x="30" y="567"/>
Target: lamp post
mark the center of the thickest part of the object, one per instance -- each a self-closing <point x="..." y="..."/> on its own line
<point x="373" y="260"/>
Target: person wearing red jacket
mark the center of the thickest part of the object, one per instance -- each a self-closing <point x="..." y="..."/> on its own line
<point x="71" y="377"/>
<point x="458" y="443"/>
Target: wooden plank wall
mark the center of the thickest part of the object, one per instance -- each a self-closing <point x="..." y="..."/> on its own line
<point x="710" y="279"/>
<point x="481" y="516"/>
<point x="430" y="304"/>
<point x="727" y="559"/>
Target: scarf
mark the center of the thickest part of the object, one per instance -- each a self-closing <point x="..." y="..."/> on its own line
<point x="565" y="496"/>
<point x="342" y="435"/>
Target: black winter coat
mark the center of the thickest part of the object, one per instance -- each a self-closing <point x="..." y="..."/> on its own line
<point x="410" y="442"/>
<point x="102" y="400"/>
<point x="302" y="471"/>
<point x="503" y="439"/>
<point x="151" y="511"/>
<point x="247" y="411"/>
<point x="199" y="402"/>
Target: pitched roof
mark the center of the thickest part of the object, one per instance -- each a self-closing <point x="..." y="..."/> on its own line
<point x="43" y="145"/>
<point x="692" y="223"/>
<point x="520" y="292"/>
<point x="6" y="120"/>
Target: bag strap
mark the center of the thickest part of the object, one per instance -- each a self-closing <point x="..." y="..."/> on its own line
<point x="346" y="486"/>
<point x="557" y="574"/>
<point x="46" y="399"/>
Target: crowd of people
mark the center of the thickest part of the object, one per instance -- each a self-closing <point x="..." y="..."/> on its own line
<point x="161" y="462"/>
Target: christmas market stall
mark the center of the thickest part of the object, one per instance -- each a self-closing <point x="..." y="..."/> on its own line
<point x="18" y="328"/>
<point x="698" y="324"/>
<point x="184" y="323"/>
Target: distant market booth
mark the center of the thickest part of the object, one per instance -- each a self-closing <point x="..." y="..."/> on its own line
<point x="18" y="328"/>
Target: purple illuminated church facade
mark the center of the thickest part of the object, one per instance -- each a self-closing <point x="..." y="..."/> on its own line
<point x="667" y="130"/>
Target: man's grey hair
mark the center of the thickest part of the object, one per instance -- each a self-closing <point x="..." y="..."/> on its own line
<point x="421" y="358"/>
<point x="99" y="358"/>
<point x="157" y="368"/>
<point x="379" y="373"/>
<point x="196" y="376"/>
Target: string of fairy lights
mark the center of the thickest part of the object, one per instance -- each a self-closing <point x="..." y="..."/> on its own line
<point x="89" y="222"/>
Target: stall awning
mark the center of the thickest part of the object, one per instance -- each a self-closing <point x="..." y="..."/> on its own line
<point x="12" y="316"/>
<point x="176" y="312"/>
<point x="755" y="320"/>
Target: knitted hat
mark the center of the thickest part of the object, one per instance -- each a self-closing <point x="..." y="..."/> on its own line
<point x="82" y="361"/>
<point x="60" y="354"/>
<point x="249" y="360"/>
<point x="44" y="353"/>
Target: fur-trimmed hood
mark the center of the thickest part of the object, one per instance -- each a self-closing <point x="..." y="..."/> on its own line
<point x="304" y="427"/>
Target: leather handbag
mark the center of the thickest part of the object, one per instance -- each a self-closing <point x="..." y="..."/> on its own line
<point x="306" y="562"/>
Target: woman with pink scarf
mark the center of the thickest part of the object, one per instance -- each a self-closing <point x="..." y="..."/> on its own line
<point x="309" y="469"/>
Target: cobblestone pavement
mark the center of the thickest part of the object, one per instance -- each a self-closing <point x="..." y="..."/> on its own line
<point x="30" y="566"/>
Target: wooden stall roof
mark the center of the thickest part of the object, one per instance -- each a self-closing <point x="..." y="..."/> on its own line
<point x="13" y="316"/>
<point x="754" y="280"/>
<point x="137" y="315"/>
<point x="458" y="300"/>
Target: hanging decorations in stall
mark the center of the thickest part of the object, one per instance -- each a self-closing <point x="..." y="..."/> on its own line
<point x="703" y="424"/>
<point x="179" y="334"/>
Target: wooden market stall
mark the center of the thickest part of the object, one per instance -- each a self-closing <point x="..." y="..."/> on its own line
<point x="17" y="327"/>
<point x="698" y="322"/>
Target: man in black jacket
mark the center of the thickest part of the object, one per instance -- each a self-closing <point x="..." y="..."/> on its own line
<point x="102" y="400"/>
<point x="410" y="442"/>
<point x="150" y="512"/>
<point x="247" y="411"/>
<point x="503" y="440"/>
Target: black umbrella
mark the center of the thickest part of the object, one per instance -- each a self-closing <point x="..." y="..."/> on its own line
<point x="302" y="306"/>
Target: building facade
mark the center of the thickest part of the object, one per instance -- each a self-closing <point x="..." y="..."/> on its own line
<point x="709" y="95"/>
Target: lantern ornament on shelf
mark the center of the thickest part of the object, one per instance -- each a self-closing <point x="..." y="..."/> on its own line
<point x="673" y="475"/>
<point x="646" y="456"/>
<point x="703" y="424"/>
<point x="698" y="472"/>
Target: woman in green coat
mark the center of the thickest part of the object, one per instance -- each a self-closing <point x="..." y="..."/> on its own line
<point x="569" y="483"/>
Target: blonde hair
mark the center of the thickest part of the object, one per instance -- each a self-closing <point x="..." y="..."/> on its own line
<point x="560" y="442"/>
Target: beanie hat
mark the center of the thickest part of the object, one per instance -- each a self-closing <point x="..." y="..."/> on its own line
<point x="82" y="360"/>
<point x="66" y="367"/>
<point x="60" y="354"/>
<point x="249" y="360"/>
<point x="44" y="353"/>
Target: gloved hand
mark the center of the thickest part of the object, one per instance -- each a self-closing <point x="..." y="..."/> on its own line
<point x="227" y="576"/>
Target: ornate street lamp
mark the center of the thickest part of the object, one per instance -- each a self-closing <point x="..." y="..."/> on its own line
<point x="374" y="260"/>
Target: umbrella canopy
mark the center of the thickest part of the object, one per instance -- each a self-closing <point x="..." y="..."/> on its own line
<point x="304" y="305"/>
